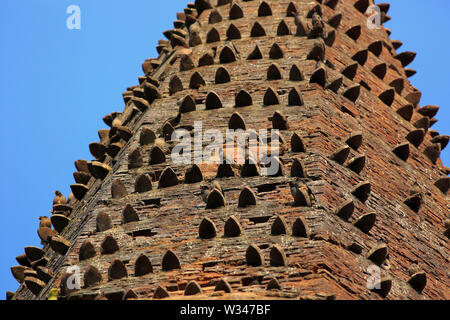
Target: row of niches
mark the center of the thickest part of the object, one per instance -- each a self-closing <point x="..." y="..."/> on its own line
<point x="271" y="96"/>
<point x="236" y="12"/>
<point x="235" y="31"/>
<point x="257" y="30"/>
<point x="159" y="153"/>
<point x="274" y="71"/>
<point x="250" y="198"/>
<point x="284" y="8"/>
<point x="227" y="55"/>
<point x="254" y="257"/>
<point x="222" y="75"/>
<point x="290" y="9"/>
<point x="216" y="288"/>
<point x="249" y="166"/>
<point x="134" y="220"/>
<point x="178" y="36"/>
<point x="237" y="51"/>
<point x="243" y="98"/>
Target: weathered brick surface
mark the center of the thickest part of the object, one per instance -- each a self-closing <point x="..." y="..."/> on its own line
<point x="318" y="267"/>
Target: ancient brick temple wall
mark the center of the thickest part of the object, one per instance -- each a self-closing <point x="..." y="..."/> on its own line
<point x="389" y="169"/>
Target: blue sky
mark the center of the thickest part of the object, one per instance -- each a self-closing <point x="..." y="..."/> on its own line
<point x="57" y="84"/>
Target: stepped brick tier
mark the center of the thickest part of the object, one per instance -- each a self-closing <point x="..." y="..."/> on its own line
<point x="372" y="188"/>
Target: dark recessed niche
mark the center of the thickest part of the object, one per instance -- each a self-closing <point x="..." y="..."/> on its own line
<point x="266" y="187"/>
<point x="142" y="233"/>
<point x="257" y="220"/>
<point x="152" y="202"/>
<point x="247" y="281"/>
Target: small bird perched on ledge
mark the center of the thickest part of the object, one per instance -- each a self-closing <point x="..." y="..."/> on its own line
<point x="45" y="222"/>
<point x="59" y="198"/>
<point x="318" y="27"/>
<point x="45" y="233"/>
<point x="45" y="230"/>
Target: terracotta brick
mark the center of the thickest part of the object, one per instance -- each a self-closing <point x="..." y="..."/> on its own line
<point x="322" y="266"/>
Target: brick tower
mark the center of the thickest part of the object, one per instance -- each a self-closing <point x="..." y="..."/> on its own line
<point x="357" y="210"/>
